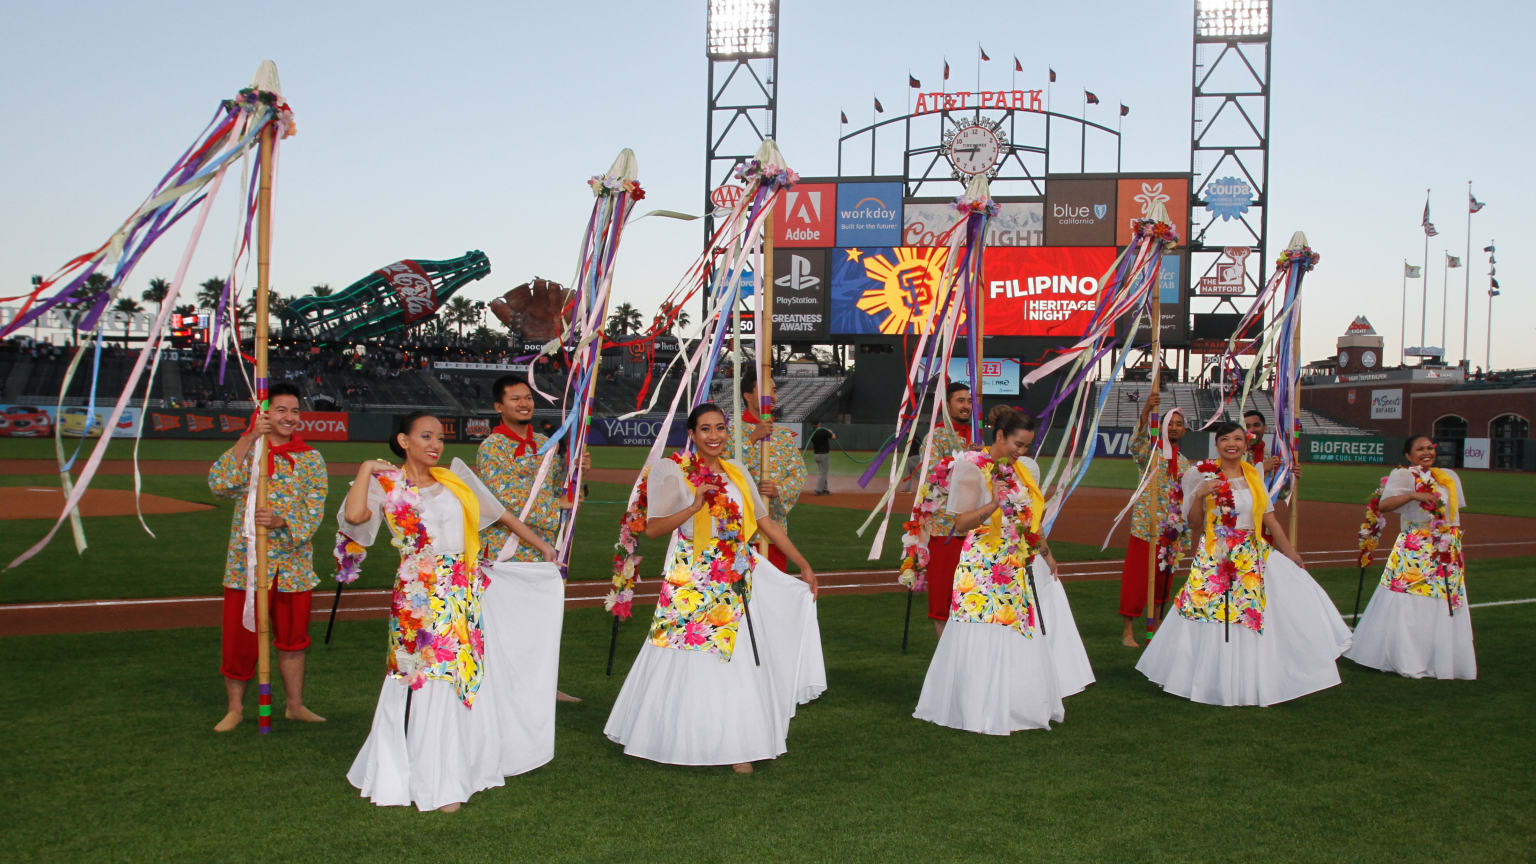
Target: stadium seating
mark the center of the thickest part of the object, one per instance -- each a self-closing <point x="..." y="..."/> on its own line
<point x="1199" y="403"/>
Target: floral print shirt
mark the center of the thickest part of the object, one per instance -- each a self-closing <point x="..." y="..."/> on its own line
<point x="946" y="443"/>
<point x="786" y="470"/>
<point x="1412" y="567"/>
<point x="1145" y="518"/>
<point x="510" y="477"/>
<point x="296" y="492"/>
<point x="992" y="578"/>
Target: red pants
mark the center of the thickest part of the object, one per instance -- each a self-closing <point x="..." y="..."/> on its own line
<point x="943" y="558"/>
<point x="290" y="628"/>
<point x="1133" y="580"/>
<point x="777" y="558"/>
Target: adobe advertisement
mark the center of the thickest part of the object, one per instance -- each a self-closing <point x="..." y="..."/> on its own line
<point x="805" y="215"/>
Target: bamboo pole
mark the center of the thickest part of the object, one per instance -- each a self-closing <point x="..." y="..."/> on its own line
<point x="263" y="579"/>
<point x="1153" y="426"/>
<point x="765" y="356"/>
<point x="1295" y="436"/>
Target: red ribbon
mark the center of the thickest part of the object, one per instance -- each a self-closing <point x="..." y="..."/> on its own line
<point x="294" y="445"/>
<point x="963" y="430"/>
<point x="524" y="444"/>
<point x="1256" y="452"/>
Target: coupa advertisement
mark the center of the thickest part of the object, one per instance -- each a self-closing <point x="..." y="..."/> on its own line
<point x="1043" y="291"/>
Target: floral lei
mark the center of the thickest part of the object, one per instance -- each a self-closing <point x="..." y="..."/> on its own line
<point x="1370" y="529"/>
<point x="1440" y="529"/>
<point x="1304" y="257"/>
<point x="250" y="100"/>
<point x="983" y="204"/>
<point x="731" y="559"/>
<point x="1014" y="506"/>
<point x="1165" y="232"/>
<point x="770" y="177"/>
<point x="1228" y="535"/>
<point x="914" y="542"/>
<point x="1172" y="528"/>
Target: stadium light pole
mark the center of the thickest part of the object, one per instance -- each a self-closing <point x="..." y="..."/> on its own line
<point x="742" y="46"/>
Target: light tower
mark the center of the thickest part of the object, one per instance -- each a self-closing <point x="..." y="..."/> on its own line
<point x="1229" y="150"/>
<point x="742" y="44"/>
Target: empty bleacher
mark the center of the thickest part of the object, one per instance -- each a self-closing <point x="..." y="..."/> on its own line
<point x="1199" y="403"/>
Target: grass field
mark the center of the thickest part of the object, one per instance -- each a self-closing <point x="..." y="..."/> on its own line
<point x="110" y="757"/>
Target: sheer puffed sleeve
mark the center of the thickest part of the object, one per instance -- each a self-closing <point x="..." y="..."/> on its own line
<point x="1190" y="482"/>
<point x="368" y="531"/>
<point x="968" y="487"/>
<point x="667" y="491"/>
<point x="490" y="508"/>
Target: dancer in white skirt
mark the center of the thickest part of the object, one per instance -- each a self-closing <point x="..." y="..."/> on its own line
<point x="993" y="671"/>
<point x="1252" y="628"/>
<point x="1418" y="623"/>
<point x="702" y="690"/>
<point x="437" y="734"/>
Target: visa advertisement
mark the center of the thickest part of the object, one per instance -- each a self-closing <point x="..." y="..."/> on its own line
<point x="869" y="214"/>
<point x="1043" y="291"/>
<point x="886" y="290"/>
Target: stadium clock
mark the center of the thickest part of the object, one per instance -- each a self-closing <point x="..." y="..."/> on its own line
<point x="974" y="147"/>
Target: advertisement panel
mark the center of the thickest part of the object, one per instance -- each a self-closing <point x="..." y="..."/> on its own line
<point x="38" y="421"/>
<point x="800" y="293"/>
<point x="1475" y="451"/>
<point x="1017" y="223"/>
<point x="1080" y="212"/>
<point x="1171" y="301"/>
<point x="1043" y="291"/>
<point x="1136" y="197"/>
<point x="1344" y="448"/>
<point x="1387" y="404"/>
<point x="869" y="214"/>
<point x="805" y="215"/>
<point x="323" y="426"/>
<point x="999" y="375"/>
<point x="887" y="290"/>
<point x="634" y="432"/>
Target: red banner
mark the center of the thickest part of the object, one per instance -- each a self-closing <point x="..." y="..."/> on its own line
<point x="323" y="426"/>
<point x="414" y="288"/>
<point x="1043" y="290"/>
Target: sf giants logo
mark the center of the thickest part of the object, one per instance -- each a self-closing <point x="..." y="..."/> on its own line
<point x="414" y="288"/>
<point x="199" y="423"/>
<point x="229" y="424"/>
<point x="164" y="422"/>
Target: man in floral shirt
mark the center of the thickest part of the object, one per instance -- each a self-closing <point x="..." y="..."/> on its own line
<point x="782" y="484"/>
<point x="296" y="485"/>
<point x="1146" y="518"/>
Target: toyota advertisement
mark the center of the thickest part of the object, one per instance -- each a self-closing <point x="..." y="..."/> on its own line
<point x="1043" y="291"/>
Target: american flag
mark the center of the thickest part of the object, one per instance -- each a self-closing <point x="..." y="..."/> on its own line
<point x="1429" y="227"/>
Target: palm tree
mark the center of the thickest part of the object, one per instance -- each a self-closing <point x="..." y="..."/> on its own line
<point x="129" y="308"/>
<point x="157" y="291"/>
<point x="679" y="322"/>
<point x="185" y="309"/>
<point x="623" y="320"/>
<point x="83" y="299"/>
<point x="209" y="292"/>
<point x="460" y="312"/>
<point x="322" y="290"/>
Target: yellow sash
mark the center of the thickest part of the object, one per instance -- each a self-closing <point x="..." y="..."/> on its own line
<point x="1255" y="482"/>
<point x="1036" y="501"/>
<point x="703" y="527"/>
<point x="471" y="506"/>
<point x="1443" y="477"/>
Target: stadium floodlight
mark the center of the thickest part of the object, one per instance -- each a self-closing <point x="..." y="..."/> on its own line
<point x="1231" y="18"/>
<point x="742" y="28"/>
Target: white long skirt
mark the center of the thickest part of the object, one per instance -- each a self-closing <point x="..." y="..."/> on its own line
<point x="450" y="751"/>
<point x="1414" y="636"/>
<point x="690" y="708"/>
<point x="989" y="678"/>
<point x="1296" y="654"/>
<point x="1073" y="671"/>
<point x="783" y="609"/>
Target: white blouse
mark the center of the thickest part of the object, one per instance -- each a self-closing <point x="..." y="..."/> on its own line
<point x="1240" y="496"/>
<point x="668" y="493"/>
<point x="440" y="512"/>
<point x="1413" y="514"/>
<point x="968" y="486"/>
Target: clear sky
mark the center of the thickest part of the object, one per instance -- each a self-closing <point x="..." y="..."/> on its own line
<point x="426" y="130"/>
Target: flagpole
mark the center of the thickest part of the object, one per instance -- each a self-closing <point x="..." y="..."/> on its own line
<point x="1445" y="290"/>
<point x="1424" y="288"/>
<point x="1402" y="322"/>
<point x="765" y="354"/>
<point x="1466" y="303"/>
<point x="1082" y="138"/>
<point x="1488" y="345"/>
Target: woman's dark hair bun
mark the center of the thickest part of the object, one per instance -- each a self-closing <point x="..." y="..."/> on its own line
<point x="404" y="428"/>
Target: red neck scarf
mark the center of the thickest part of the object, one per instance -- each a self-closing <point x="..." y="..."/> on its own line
<point x="294" y="445"/>
<point x="525" y="443"/>
<point x="963" y="429"/>
<point x="751" y="419"/>
<point x="1256" y="451"/>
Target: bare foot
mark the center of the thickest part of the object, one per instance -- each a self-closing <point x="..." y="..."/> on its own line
<point x="742" y="767"/>
<point x="302" y="713"/>
<point x="1129" y="641"/>
<point x="562" y="696"/>
<point x="230" y="721"/>
<point x="450" y="808"/>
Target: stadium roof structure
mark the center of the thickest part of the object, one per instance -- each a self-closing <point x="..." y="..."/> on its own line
<point x="388" y="300"/>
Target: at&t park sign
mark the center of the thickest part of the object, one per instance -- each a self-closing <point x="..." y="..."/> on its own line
<point x="1018" y="100"/>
